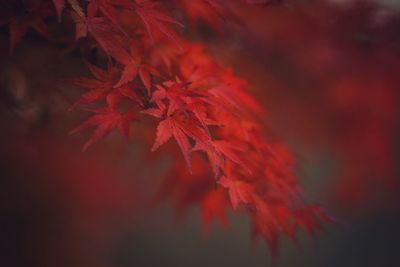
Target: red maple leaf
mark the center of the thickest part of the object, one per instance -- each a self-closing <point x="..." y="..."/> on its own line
<point x="219" y="153"/>
<point x="181" y="128"/>
<point x="239" y="191"/>
<point x="214" y="205"/>
<point x="108" y="9"/>
<point x="178" y="95"/>
<point x="103" y="87"/>
<point x="154" y="18"/>
<point x="107" y="36"/>
<point x="134" y="65"/>
<point x="105" y="120"/>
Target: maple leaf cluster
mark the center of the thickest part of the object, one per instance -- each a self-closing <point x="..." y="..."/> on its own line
<point x="144" y="67"/>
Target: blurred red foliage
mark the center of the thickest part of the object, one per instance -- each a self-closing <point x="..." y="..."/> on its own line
<point x="329" y="77"/>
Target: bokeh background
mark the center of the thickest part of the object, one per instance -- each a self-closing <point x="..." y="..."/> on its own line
<point x="328" y="72"/>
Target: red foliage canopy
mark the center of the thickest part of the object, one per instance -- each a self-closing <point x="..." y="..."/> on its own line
<point x="144" y="66"/>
